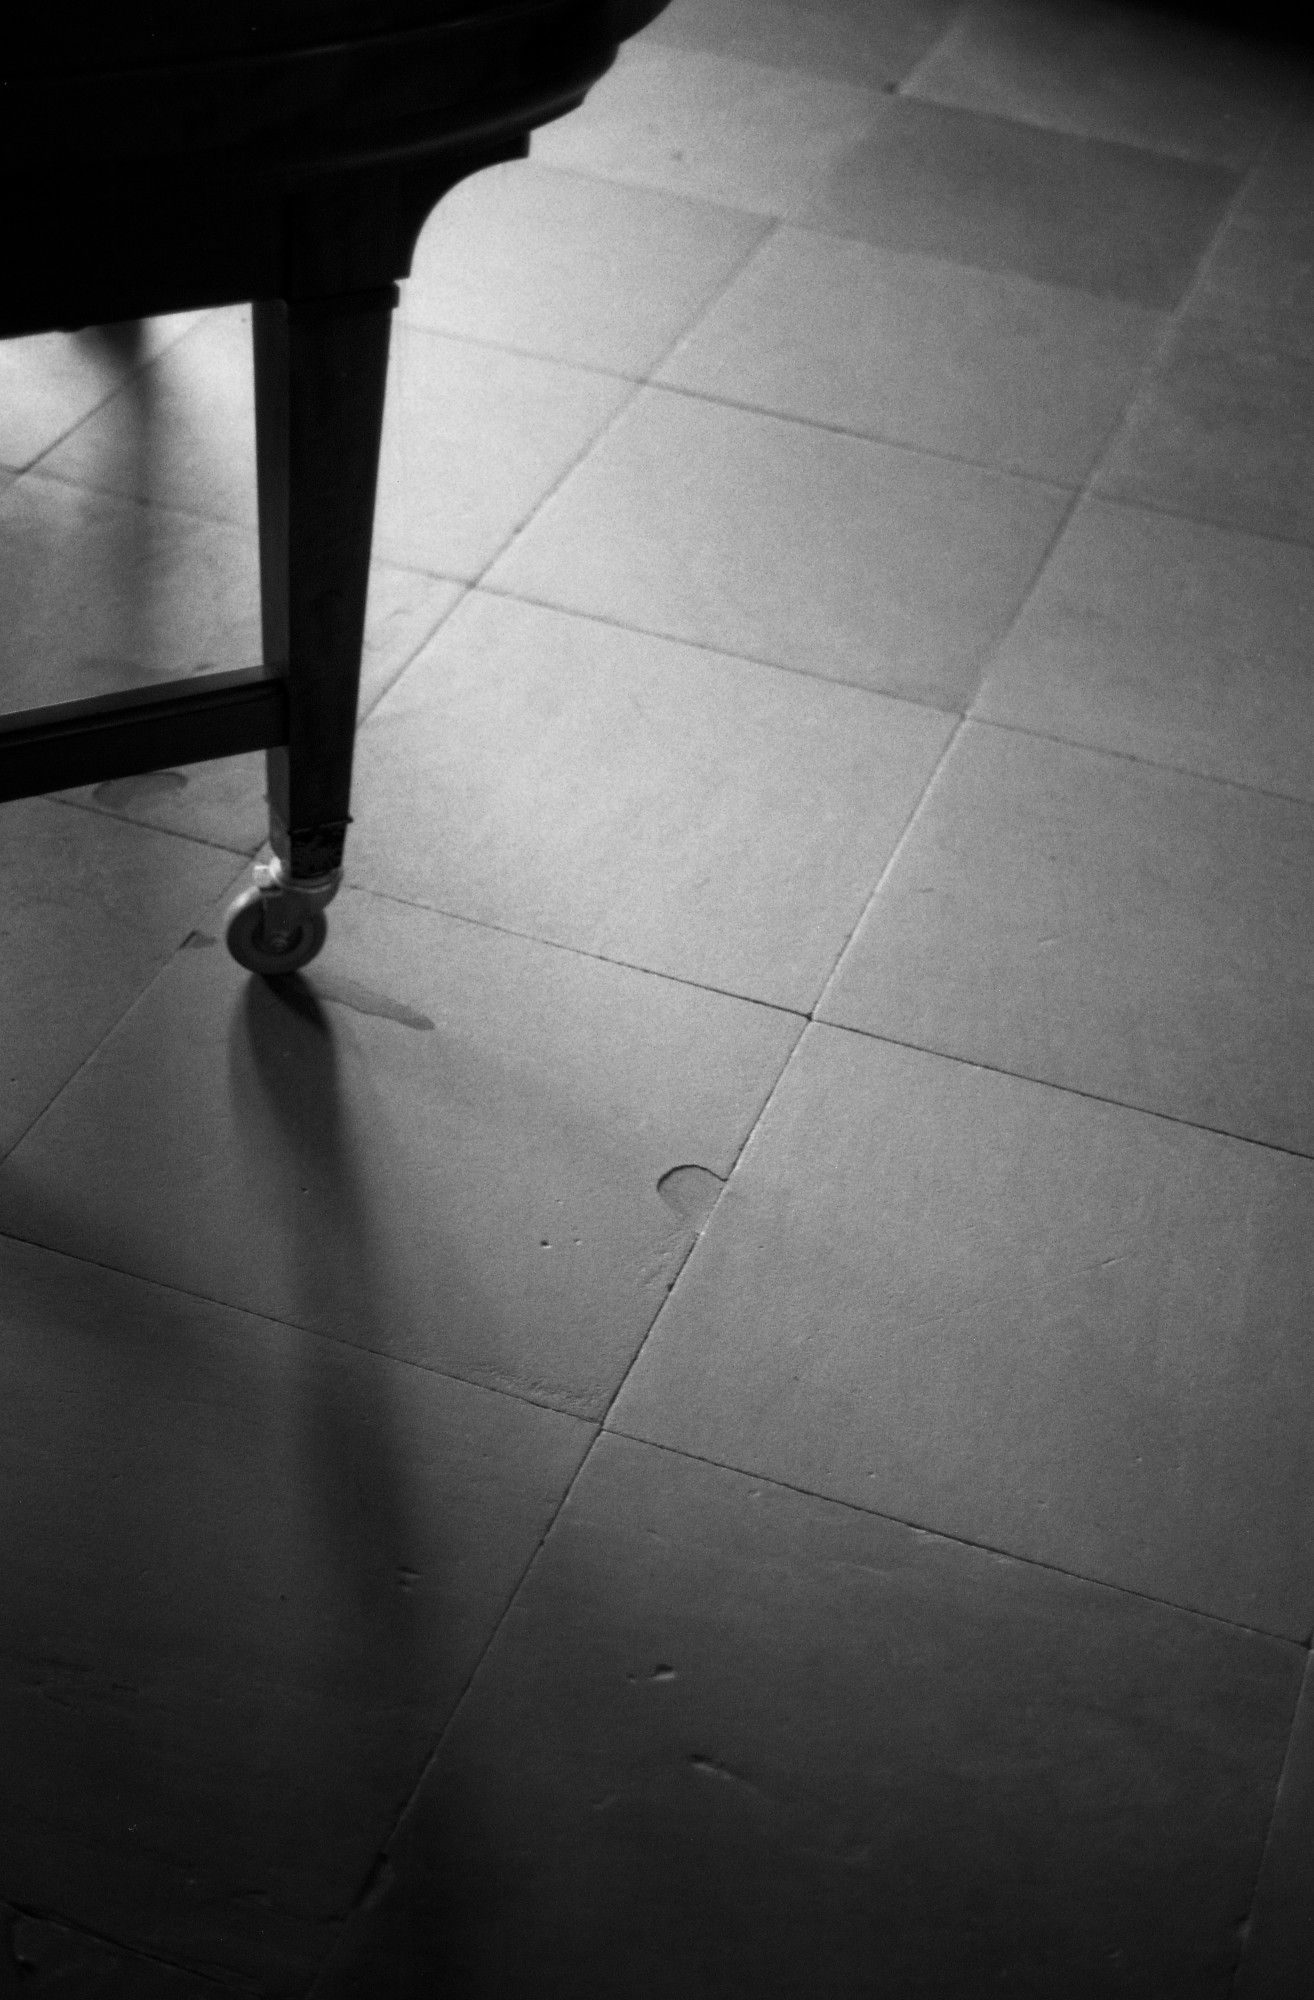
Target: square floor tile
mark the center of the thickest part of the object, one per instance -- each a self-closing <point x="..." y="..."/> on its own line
<point x="181" y="431"/>
<point x="49" y="382"/>
<point x="740" y="133"/>
<point x="1101" y="217"/>
<point x="74" y="1962"/>
<point x="252" y="1572"/>
<point x="564" y="265"/>
<point x="1121" y="929"/>
<point x="99" y="593"/>
<point x="700" y="816"/>
<point x="1276" y="194"/>
<point x="982" y="365"/>
<point x="1222" y="430"/>
<point x="858" y="561"/>
<point x="1258" y="279"/>
<point x="1257" y="286"/>
<point x="224" y="801"/>
<point x="89" y="911"/>
<point x="734" y="1740"/>
<point x="1149" y="77"/>
<point x="997" y="1310"/>
<point x="1279" y="1942"/>
<point x="473" y="438"/>
<point x="873" y="42"/>
<point x="1170" y="640"/>
<point x="443" y="1144"/>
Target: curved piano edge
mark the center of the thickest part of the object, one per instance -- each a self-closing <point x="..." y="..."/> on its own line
<point x="302" y="173"/>
<point x="66" y="38"/>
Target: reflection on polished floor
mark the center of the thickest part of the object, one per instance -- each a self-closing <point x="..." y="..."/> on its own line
<point x="718" y="1400"/>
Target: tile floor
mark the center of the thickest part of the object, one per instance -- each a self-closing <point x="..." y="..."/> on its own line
<point x="720" y="1399"/>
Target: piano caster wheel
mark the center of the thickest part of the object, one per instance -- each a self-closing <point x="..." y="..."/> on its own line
<point x="274" y="927"/>
<point x="263" y="942"/>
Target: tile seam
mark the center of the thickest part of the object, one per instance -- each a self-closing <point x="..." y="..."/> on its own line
<point x="1070" y="1090"/>
<point x="958" y="1541"/>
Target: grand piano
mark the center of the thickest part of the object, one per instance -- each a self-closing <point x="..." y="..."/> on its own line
<point x="163" y="155"/>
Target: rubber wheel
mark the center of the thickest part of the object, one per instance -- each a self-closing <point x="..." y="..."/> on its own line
<point x="252" y="947"/>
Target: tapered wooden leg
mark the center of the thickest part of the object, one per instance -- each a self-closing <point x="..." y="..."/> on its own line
<point x="320" y="377"/>
<point x="321" y="370"/>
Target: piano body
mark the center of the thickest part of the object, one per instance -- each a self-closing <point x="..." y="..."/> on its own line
<point x="159" y="156"/>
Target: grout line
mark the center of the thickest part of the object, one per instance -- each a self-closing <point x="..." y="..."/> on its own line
<point x="220" y="1980"/>
<point x="149" y="825"/>
<point x="130" y="379"/>
<point x="830" y="427"/>
<point x="235" y="523"/>
<point x="170" y="1288"/>
<point x="1145" y="763"/>
<point x="518" y="596"/>
<point x="1069" y="1090"/>
<point x="1105" y="497"/>
<point x="811" y="1017"/>
<point x="893" y="856"/>
<point x="431" y="632"/>
<point x="1307" y="1681"/>
<point x="575" y="950"/>
<point x="1281" y="126"/>
<point x="637" y="386"/>
<point x="89" y="1055"/>
<point x="544" y="355"/>
<point x="957" y="1540"/>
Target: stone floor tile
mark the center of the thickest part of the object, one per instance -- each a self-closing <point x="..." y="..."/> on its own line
<point x="1006" y="1313"/>
<point x="51" y="1957"/>
<point x="181" y="431"/>
<point x="1276" y="194"/>
<point x="578" y="269"/>
<point x="983" y="365"/>
<point x="224" y="801"/>
<point x="743" y="134"/>
<point x="442" y="1143"/>
<point x="473" y="438"/>
<point x="1257" y="286"/>
<point x="1134" y="932"/>
<point x="1223" y="431"/>
<point x="858" y="561"/>
<point x="700" y="816"/>
<point x="1279" y="1942"/>
<point x="732" y="1739"/>
<point x="1148" y="77"/>
<point x="872" y="42"/>
<point x="1169" y="640"/>
<point x="254" y="1572"/>
<point x="90" y="910"/>
<point x="50" y="382"/>
<point x="1104" y="218"/>
<point x="1258" y="279"/>
<point x="99" y="593"/>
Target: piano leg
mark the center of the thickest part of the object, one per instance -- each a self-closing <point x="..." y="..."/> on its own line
<point x="320" y="376"/>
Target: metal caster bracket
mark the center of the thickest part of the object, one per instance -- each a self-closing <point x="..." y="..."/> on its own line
<point x="278" y="925"/>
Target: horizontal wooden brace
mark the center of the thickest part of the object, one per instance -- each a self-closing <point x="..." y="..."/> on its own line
<point x="141" y="729"/>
